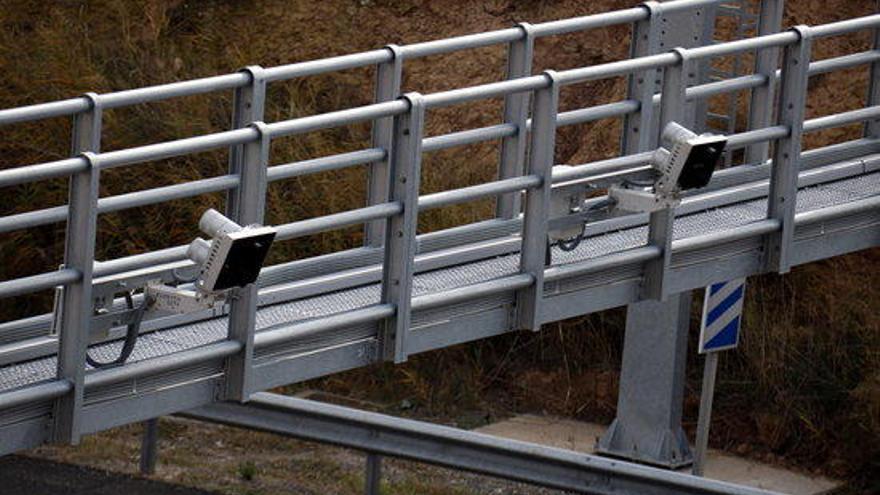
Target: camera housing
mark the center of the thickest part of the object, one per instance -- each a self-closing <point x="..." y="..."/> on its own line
<point x="232" y="259"/>
<point x="235" y="259"/>
<point x="685" y="161"/>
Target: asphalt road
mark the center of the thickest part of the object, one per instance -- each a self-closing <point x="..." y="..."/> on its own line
<point x="28" y="476"/>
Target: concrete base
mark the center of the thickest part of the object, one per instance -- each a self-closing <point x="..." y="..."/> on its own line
<point x="582" y="437"/>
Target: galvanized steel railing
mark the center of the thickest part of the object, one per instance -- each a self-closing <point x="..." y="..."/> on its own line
<point x="531" y="118"/>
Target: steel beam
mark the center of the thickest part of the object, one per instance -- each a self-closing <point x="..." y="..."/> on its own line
<point x="250" y="208"/>
<point x="454" y="448"/>
<point x="400" y="231"/>
<point x="642" y="86"/>
<point x="872" y="127"/>
<point x="782" y="200"/>
<point x="79" y="255"/>
<point x="248" y="106"/>
<point x="516" y="112"/>
<point x="537" y="203"/>
<point x="389" y="75"/>
<point x="761" y="99"/>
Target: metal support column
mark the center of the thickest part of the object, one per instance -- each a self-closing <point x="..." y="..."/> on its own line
<point x="373" y="474"/>
<point x="388" y="80"/>
<point x="516" y="112"/>
<point x="648" y="424"/>
<point x="537" y="203"/>
<point x="766" y="62"/>
<point x="149" y="446"/>
<point x="400" y="231"/>
<point x="243" y="307"/>
<point x="785" y="167"/>
<point x="79" y="254"/>
<point x="248" y="106"/>
<point x="872" y="127"/>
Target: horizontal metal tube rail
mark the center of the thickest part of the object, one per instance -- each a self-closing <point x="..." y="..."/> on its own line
<point x="485" y="91"/>
<point x="479" y="191"/>
<point x="36" y="283"/>
<point x="601" y="167"/>
<point x="63" y="168"/>
<point x="472" y="291"/>
<point x="337" y="118"/>
<point x="138" y="261"/>
<point x="565" y="26"/>
<point x="635" y="255"/>
<point x="73" y="106"/>
<point x="30" y="394"/>
<point x="42" y="171"/>
<point x="324" y="164"/>
<point x="325" y="65"/>
<point x="843" y="62"/>
<point x="743" y="139"/>
<point x="122" y="201"/>
<point x="190" y="357"/>
<point x="470" y="136"/>
<point x="468" y="41"/>
<point x="173" y="90"/>
<point x="152" y="196"/>
<point x="275" y="336"/>
<point x="171" y="149"/>
<point x="842" y="119"/>
<point x="154" y="93"/>
<point x="845" y="27"/>
<point x="337" y="220"/>
<point x="597" y="112"/>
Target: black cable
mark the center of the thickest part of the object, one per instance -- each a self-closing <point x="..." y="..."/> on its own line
<point x="569" y="245"/>
<point x="131" y="336"/>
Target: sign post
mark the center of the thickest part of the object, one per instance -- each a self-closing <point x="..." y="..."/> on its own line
<point x="719" y="331"/>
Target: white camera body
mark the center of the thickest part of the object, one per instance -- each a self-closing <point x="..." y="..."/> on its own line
<point x="685" y="161"/>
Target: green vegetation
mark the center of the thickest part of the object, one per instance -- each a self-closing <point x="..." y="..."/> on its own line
<point x="804" y="389"/>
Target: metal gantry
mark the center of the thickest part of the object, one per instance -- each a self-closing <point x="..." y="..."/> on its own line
<point x="403" y="293"/>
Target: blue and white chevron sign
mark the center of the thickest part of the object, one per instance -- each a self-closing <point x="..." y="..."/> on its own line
<point x="722" y="315"/>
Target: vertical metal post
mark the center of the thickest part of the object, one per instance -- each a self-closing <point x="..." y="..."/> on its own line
<point x="516" y="112"/>
<point x="537" y="203"/>
<point x="149" y="446"/>
<point x="660" y="226"/>
<point x="400" y="231"/>
<point x="248" y="106"/>
<point x="786" y="154"/>
<point x="648" y="424"/>
<point x="872" y="127"/>
<point x="251" y="201"/>
<point x="79" y="254"/>
<point x="710" y="370"/>
<point x="642" y="86"/>
<point x="388" y="80"/>
<point x="766" y="61"/>
<point x="373" y="475"/>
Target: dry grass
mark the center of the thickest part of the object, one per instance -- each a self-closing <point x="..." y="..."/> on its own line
<point x="806" y="384"/>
